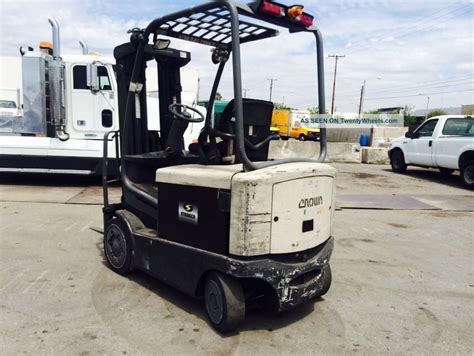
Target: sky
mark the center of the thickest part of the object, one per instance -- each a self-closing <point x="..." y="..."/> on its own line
<point x="405" y="50"/>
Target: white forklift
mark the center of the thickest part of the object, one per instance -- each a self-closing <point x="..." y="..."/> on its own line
<point x="69" y="103"/>
<point x="218" y="222"/>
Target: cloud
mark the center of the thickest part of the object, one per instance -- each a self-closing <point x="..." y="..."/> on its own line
<point x="403" y="42"/>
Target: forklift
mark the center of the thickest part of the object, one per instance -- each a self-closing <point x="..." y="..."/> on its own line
<point x="218" y="221"/>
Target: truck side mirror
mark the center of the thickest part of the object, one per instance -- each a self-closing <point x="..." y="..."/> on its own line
<point x="92" y="77"/>
<point x="412" y="134"/>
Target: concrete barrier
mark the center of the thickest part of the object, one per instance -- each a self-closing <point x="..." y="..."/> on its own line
<point x="375" y="155"/>
<point x="383" y="136"/>
<point x="337" y="151"/>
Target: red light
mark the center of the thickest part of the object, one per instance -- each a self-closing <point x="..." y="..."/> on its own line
<point x="272" y="9"/>
<point x="306" y="20"/>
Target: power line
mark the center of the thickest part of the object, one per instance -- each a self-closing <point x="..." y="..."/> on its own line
<point x="409" y="96"/>
<point x="405" y="27"/>
<point x="400" y="34"/>
<point x="422" y="85"/>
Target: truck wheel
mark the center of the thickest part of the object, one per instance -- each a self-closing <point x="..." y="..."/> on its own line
<point x="302" y="137"/>
<point x="446" y="171"/>
<point x="467" y="174"/>
<point x="117" y="246"/>
<point x="397" y="161"/>
<point x="225" y="302"/>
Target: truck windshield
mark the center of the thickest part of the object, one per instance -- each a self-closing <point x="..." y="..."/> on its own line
<point x="459" y="127"/>
<point x="7" y="104"/>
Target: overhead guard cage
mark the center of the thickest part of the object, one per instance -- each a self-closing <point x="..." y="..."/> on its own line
<point x="218" y="24"/>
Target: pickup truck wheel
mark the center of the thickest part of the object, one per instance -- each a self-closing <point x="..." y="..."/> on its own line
<point x="446" y="171"/>
<point x="397" y="161"/>
<point x="467" y="174"/>
<point x="225" y="302"/>
<point x="302" y="137"/>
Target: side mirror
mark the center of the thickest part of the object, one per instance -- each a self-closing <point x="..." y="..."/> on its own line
<point x="411" y="134"/>
<point x="92" y="77"/>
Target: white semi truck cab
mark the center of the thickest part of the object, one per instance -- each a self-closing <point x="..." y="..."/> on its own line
<point x="69" y="104"/>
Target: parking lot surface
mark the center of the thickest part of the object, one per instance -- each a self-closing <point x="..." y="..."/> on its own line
<point x="402" y="279"/>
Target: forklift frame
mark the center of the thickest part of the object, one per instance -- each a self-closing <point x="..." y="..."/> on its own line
<point x="228" y="13"/>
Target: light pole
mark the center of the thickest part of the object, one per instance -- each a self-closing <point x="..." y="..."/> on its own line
<point x="336" y="58"/>
<point x="427" y="105"/>
<point x="362" y="95"/>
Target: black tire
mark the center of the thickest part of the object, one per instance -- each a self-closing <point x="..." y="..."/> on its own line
<point x="224" y="301"/>
<point x="446" y="171"/>
<point x="327" y="281"/>
<point x="397" y="161"/>
<point x="467" y="174"/>
<point x="302" y="137"/>
<point x="118" y="246"/>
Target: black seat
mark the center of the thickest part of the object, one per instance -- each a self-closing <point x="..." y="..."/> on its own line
<point x="257" y="116"/>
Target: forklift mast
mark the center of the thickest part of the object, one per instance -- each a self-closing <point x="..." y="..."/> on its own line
<point x="169" y="62"/>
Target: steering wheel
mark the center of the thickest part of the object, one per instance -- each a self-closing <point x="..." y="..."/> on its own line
<point x="184" y="114"/>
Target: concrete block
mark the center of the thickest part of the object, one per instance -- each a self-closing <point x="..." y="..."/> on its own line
<point x="337" y="151"/>
<point x="384" y="135"/>
<point x="375" y="155"/>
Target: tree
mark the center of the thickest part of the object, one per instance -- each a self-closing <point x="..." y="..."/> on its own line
<point x="218" y="96"/>
<point x="408" y="117"/>
<point x="436" y="112"/>
<point x="313" y="110"/>
<point x="281" y="106"/>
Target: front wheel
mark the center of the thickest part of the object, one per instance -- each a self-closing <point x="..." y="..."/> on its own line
<point x="225" y="302"/>
<point x="467" y="174"/>
<point x="302" y="137"/>
<point x="397" y="161"/>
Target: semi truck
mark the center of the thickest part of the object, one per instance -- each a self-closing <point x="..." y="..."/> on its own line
<point x="68" y="103"/>
<point x="289" y="124"/>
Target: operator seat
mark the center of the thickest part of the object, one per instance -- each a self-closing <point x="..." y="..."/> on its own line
<point x="257" y="116"/>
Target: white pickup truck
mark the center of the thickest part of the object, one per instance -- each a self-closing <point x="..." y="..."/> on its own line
<point x="444" y="142"/>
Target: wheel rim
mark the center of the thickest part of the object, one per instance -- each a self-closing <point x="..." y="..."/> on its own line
<point x="214" y="302"/>
<point x="115" y="246"/>
<point x="302" y="138"/>
<point x="469" y="175"/>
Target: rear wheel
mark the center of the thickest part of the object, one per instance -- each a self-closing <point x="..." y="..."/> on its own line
<point x="397" y="161"/>
<point x="467" y="174"/>
<point x="225" y="302"/>
<point x="327" y="281"/>
<point x="117" y="246"/>
<point x="446" y="171"/>
<point x="302" y="137"/>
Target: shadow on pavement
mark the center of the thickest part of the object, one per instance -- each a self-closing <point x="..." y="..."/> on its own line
<point x="50" y="180"/>
<point x="434" y="176"/>
<point x="256" y="318"/>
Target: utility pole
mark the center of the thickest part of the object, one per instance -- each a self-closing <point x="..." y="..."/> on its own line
<point x="336" y="58"/>
<point x="362" y="90"/>
<point x="362" y="95"/>
<point x="271" y="86"/>
<point x="245" y="92"/>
